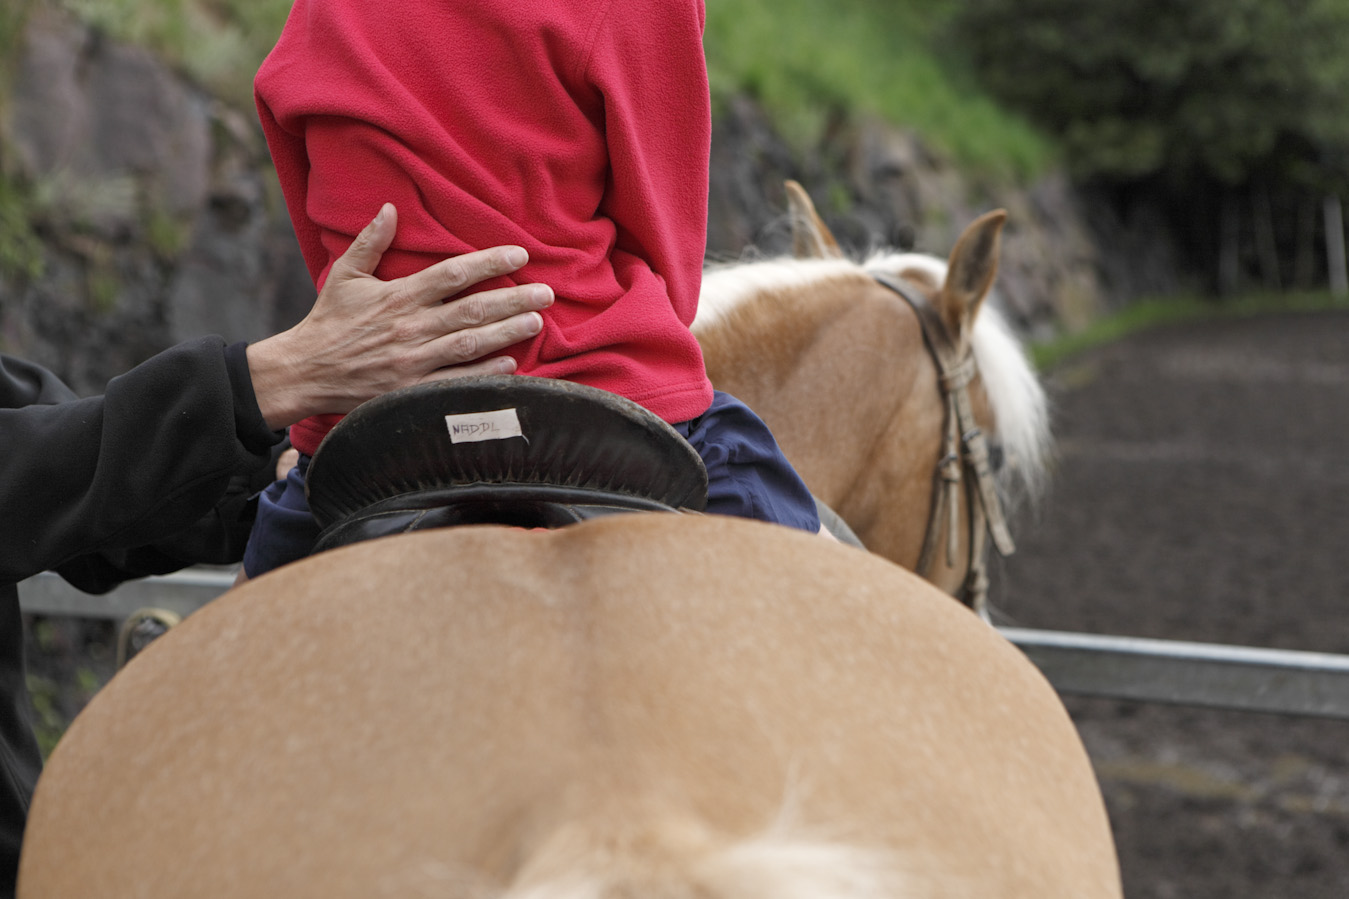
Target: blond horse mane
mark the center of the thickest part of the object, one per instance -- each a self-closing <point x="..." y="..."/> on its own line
<point x="1018" y="400"/>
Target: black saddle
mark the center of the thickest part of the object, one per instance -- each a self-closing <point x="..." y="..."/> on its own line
<point x="498" y="449"/>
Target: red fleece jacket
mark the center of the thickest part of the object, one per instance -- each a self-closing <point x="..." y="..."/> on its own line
<point x="578" y="129"/>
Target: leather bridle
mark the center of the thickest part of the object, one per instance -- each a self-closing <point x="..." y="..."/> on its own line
<point x="965" y="456"/>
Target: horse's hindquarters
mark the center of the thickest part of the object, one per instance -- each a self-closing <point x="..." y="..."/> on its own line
<point x="640" y="698"/>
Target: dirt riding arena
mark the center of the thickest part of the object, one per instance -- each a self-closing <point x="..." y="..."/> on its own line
<point x="1201" y="492"/>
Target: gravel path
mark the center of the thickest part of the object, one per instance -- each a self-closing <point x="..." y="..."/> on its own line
<point x="1200" y="493"/>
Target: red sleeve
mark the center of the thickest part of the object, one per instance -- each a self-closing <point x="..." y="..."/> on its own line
<point x="647" y="61"/>
<point x="292" y="169"/>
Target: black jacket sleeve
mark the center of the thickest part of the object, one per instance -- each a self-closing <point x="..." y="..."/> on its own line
<point x="151" y="476"/>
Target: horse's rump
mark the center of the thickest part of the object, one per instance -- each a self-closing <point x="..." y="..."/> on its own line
<point x="661" y="705"/>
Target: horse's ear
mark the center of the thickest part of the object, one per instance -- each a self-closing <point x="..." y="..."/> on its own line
<point x="970" y="272"/>
<point x="811" y="238"/>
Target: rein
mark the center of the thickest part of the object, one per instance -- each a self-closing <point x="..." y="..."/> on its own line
<point x="965" y="455"/>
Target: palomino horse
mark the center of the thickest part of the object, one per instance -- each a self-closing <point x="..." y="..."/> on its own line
<point x="838" y="358"/>
<point x="654" y="705"/>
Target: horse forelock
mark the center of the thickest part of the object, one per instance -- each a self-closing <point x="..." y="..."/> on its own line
<point x="920" y="268"/>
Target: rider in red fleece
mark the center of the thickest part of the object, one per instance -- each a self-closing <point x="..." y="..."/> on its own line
<point x="578" y="129"/>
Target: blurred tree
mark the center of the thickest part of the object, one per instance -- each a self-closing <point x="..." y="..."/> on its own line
<point x="1201" y="99"/>
<point x="1227" y="89"/>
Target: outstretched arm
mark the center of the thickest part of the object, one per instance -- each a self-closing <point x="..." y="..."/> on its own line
<point x="136" y="474"/>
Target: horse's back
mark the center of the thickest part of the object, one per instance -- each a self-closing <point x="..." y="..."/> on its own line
<point x="645" y="702"/>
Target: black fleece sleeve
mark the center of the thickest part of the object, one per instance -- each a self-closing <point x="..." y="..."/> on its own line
<point x="152" y="475"/>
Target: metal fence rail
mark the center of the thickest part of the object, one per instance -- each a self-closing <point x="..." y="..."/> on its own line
<point x="183" y="592"/>
<point x="1212" y="675"/>
<point x="1165" y="671"/>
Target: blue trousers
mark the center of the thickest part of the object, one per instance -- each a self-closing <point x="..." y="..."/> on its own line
<point x="747" y="477"/>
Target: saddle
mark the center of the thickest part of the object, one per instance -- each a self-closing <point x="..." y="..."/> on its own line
<point x="497" y="449"/>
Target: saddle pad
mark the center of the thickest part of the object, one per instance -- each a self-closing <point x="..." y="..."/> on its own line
<point x="508" y="430"/>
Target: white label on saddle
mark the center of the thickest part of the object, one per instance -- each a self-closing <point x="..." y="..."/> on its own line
<point x="472" y="427"/>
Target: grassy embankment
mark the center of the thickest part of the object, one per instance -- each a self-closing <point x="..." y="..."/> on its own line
<point x="1164" y="311"/>
<point x="805" y="61"/>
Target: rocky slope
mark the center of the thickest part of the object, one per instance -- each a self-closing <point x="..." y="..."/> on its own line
<point x="153" y="215"/>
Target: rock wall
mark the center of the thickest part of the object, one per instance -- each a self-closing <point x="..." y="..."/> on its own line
<point x="158" y="218"/>
<point x="154" y="205"/>
<point x="877" y="186"/>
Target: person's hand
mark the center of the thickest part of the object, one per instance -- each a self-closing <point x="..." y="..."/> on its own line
<point x="365" y="337"/>
<point x="286" y="461"/>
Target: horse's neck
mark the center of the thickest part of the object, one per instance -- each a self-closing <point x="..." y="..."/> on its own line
<point x="755" y="338"/>
<point x="831" y="367"/>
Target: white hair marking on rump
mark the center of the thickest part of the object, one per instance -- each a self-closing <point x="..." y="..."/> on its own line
<point x="782" y="862"/>
<point x="764" y="867"/>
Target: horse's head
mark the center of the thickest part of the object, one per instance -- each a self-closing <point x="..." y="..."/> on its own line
<point x="894" y="387"/>
<point x="955" y="290"/>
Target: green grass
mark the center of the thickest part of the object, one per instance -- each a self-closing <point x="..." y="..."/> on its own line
<point x="218" y="43"/>
<point x="13" y="16"/>
<point x="13" y="20"/>
<point x="809" y="60"/>
<point x="1156" y="313"/>
<point x="20" y="247"/>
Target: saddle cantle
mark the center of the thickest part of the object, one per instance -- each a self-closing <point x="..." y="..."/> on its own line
<point x="496" y="449"/>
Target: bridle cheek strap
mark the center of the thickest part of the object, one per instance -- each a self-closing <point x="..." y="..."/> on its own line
<point x="965" y="456"/>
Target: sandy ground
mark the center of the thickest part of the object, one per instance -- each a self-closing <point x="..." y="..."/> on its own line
<point x="1200" y="493"/>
